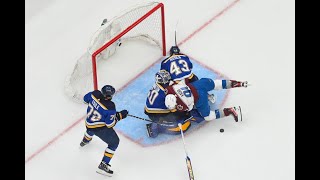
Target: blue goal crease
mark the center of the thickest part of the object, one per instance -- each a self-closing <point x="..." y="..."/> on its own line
<point x="133" y="98"/>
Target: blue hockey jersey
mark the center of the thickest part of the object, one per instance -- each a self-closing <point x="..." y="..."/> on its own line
<point x="155" y="100"/>
<point x="178" y="65"/>
<point x="100" y="112"/>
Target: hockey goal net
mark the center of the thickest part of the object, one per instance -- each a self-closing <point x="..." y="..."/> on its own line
<point x="142" y="22"/>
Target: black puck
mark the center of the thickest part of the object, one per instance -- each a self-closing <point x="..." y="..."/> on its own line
<point x="221" y="130"/>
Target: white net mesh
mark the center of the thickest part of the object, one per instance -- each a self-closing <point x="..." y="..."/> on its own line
<point x="80" y="81"/>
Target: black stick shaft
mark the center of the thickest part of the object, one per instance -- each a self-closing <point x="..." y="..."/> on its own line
<point x="169" y="125"/>
<point x="140" y="118"/>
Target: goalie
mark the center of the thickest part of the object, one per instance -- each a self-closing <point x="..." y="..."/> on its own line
<point x="158" y="112"/>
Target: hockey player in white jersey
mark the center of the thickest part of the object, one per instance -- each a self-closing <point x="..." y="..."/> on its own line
<point x="193" y="97"/>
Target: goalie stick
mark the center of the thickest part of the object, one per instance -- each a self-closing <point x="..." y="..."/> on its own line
<point x="188" y="160"/>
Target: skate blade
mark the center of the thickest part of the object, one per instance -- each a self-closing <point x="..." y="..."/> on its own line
<point x="240" y="113"/>
<point x="99" y="171"/>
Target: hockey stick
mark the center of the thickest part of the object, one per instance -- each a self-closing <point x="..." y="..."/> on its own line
<point x="188" y="160"/>
<point x="169" y="125"/>
<point x="175" y="33"/>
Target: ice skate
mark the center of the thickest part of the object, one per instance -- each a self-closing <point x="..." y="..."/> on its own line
<point x="235" y="112"/>
<point x="104" y="169"/>
<point x="83" y="144"/>
<point x="84" y="141"/>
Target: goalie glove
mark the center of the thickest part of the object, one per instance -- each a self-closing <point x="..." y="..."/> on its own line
<point x="235" y="84"/>
<point x="122" y="114"/>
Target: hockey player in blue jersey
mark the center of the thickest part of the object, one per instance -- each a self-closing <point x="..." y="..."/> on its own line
<point x="164" y="118"/>
<point x="101" y="118"/>
<point x="178" y="65"/>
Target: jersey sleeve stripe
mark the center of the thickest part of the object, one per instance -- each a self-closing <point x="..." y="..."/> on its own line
<point x="156" y="110"/>
<point x="95" y="126"/>
<point x="111" y="124"/>
<point x="104" y="107"/>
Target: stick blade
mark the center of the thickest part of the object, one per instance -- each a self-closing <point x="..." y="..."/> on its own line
<point x="189" y="166"/>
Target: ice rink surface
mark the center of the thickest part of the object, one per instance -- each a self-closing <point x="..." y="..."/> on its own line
<point x="251" y="40"/>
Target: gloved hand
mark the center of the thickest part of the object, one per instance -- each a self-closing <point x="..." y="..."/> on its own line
<point x="122" y="114"/>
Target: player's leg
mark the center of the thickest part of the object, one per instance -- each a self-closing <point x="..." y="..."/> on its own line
<point x="203" y="108"/>
<point x="220" y="113"/>
<point x="152" y="128"/>
<point x="168" y="123"/>
<point x="109" y="136"/>
<point x="87" y="137"/>
<point x="196" y="117"/>
<point x="205" y="85"/>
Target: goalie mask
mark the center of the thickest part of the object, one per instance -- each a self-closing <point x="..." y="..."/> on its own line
<point x="162" y="77"/>
<point x="108" y="91"/>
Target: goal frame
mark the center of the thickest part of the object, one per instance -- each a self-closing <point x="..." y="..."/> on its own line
<point x="106" y="45"/>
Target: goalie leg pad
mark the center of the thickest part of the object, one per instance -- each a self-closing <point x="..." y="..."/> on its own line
<point x="152" y="130"/>
<point x="186" y="124"/>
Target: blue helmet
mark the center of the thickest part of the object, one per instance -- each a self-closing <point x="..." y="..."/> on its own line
<point x="174" y="50"/>
<point x="162" y="77"/>
<point x="108" y="91"/>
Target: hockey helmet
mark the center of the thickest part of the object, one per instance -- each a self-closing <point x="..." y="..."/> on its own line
<point x="174" y="50"/>
<point x="162" y="77"/>
<point x="108" y="91"/>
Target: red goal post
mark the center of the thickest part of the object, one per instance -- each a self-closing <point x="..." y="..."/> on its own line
<point x="142" y="22"/>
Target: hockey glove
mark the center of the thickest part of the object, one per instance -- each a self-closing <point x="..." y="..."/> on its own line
<point x="122" y="114"/>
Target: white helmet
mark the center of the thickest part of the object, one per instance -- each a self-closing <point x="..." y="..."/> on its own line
<point x="171" y="101"/>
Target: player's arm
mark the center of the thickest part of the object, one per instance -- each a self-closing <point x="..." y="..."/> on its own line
<point x="112" y="116"/>
<point x="86" y="98"/>
<point x="192" y="78"/>
<point x="163" y="63"/>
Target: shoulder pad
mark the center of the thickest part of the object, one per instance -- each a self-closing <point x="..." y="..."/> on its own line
<point x="97" y="94"/>
<point x="108" y="104"/>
